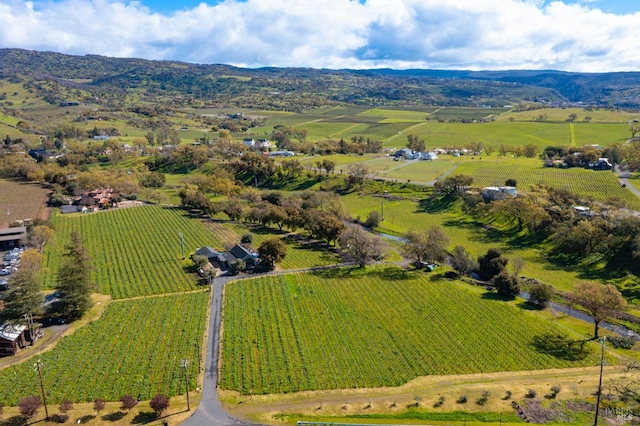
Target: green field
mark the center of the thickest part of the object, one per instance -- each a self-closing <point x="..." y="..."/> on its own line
<point x="134" y="348"/>
<point x="135" y="251"/>
<point x="403" y="215"/>
<point x="338" y="330"/>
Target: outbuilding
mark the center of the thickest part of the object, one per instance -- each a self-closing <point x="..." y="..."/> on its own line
<point x="12" y="339"/>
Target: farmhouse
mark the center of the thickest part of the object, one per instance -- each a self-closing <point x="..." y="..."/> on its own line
<point x="12" y="339"/>
<point x="282" y="153"/>
<point x="224" y="260"/>
<point x="494" y="193"/>
<point x="96" y="199"/>
<point x="601" y="164"/>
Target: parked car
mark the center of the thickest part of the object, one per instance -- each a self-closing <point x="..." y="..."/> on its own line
<point x="4" y="284"/>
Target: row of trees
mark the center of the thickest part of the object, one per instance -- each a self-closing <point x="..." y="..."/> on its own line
<point x="30" y="405"/>
<point x="74" y="287"/>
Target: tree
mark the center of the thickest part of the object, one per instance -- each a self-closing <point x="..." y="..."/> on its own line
<point x="462" y="261"/>
<point x="159" y="404"/>
<point x="128" y="402"/>
<point x="234" y="208"/>
<point x="64" y="407"/>
<point x="541" y="294"/>
<point x="29" y="406"/>
<point x="415" y="246"/>
<point x="453" y="185"/>
<point x="414" y="143"/>
<point x="361" y="245"/>
<point x="25" y="296"/>
<point x="507" y="285"/>
<point x="98" y="405"/>
<point x="74" y="281"/>
<point x="247" y="238"/>
<point x="429" y="246"/>
<point x="237" y="266"/>
<point x="38" y="237"/>
<point x="373" y="220"/>
<point x="511" y="182"/>
<point x="199" y="261"/>
<point x="491" y="264"/>
<point x="517" y="264"/>
<point x="602" y="301"/>
<point x="272" y="251"/>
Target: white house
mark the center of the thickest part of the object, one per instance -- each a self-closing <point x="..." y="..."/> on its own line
<point x="493" y="193"/>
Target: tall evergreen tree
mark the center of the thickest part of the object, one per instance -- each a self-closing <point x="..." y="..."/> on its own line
<point x="25" y="296"/>
<point x="74" y="280"/>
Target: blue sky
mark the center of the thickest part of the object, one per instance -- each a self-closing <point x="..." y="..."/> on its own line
<point x="571" y="35"/>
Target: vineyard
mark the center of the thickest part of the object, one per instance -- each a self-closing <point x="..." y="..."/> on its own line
<point x="135" y="348"/>
<point x="135" y="251"/>
<point x="342" y="330"/>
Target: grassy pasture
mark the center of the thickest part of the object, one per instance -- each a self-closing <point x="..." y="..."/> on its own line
<point x="134" y="348"/>
<point x="20" y="200"/>
<point x="401" y="216"/>
<point x="341" y="329"/>
<point x="135" y="251"/>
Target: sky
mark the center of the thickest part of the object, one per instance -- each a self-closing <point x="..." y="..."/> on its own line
<point x="568" y="35"/>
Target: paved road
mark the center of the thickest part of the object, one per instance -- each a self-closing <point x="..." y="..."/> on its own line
<point x="210" y="411"/>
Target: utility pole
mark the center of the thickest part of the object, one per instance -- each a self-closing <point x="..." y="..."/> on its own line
<point x="602" y="363"/>
<point x="182" y="243"/>
<point x="184" y="363"/>
<point x="382" y="211"/>
<point x="44" y="397"/>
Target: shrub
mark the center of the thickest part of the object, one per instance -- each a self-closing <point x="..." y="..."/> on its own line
<point x="462" y="399"/>
<point x="29" y="406"/>
<point x="246" y="238"/>
<point x="128" y="402"/>
<point x="555" y="390"/>
<point x="483" y="399"/>
<point x="531" y="393"/>
<point x="373" y="220"/>
<point x="159" y="404"/>
<point x="507" y="396"/>
<point x="620" y="342"/>
<point x="541" y="294"/>
<point x="439" y="402"/>
<point x="65" y="406"/>
<point x="507" y="285"/>
<point x="98" y="405"/>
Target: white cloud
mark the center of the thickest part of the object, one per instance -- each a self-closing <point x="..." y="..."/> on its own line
<point x="465" y="34"/>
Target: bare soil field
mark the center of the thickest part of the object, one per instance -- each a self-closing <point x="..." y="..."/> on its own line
<point x="22" y="200"/>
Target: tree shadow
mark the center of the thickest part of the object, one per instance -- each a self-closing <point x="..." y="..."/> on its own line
<point x="114" y="416"/>
<point x="560" y="346"/>
<point x="14" y="421"/>
<point x="392" y="273"/>
<point x="85" y="419"/>
<point x="144" y="417"/>
<point x="436" y="204"/>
